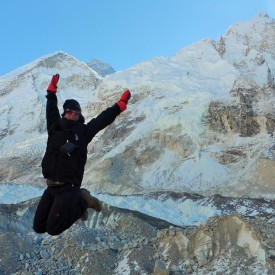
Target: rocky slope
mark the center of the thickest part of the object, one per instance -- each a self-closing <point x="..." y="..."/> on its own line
<point x="120" y="241"/>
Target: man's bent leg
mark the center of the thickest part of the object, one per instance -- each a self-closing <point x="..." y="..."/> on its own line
<point x="67" y="208"/>
<point x="42" y="212"/>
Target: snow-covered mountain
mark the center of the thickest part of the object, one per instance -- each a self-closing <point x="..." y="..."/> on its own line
<point x="22" y="124"/>
<point x="199" y="121"/>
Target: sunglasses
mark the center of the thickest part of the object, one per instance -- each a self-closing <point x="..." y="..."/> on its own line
<point x="72" y="112"/>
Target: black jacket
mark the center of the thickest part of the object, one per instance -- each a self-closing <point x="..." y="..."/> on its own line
<point x="69" y="167"/>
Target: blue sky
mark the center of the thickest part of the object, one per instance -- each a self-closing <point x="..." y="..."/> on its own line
<point x="120" y="32"/>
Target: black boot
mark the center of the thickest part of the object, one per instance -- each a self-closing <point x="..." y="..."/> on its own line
<point x="92" y="202"/>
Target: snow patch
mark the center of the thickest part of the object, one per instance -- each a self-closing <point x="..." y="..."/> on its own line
<point x="184" y="213"/>
<point x="16" y="193"/>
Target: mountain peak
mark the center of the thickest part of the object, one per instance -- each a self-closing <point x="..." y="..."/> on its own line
<point x="100" y="67"/>
<point x="263" y="15"/>
<point x="258" y="32"/>
<point x="52" y="60"/>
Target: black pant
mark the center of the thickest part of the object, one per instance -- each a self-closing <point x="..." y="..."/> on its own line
<point x="58" y="209"/>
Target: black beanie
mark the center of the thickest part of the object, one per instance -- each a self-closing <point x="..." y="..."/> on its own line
<point x="71" y="104"/>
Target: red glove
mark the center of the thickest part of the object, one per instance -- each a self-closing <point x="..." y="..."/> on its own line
<point x="122" y="103"/>
<point x="53" y="85"/>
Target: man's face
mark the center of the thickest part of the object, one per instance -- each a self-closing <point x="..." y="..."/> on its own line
<point x="72" y="115"/>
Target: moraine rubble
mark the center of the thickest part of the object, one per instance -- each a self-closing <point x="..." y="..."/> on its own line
<point x="120" y="241"/>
